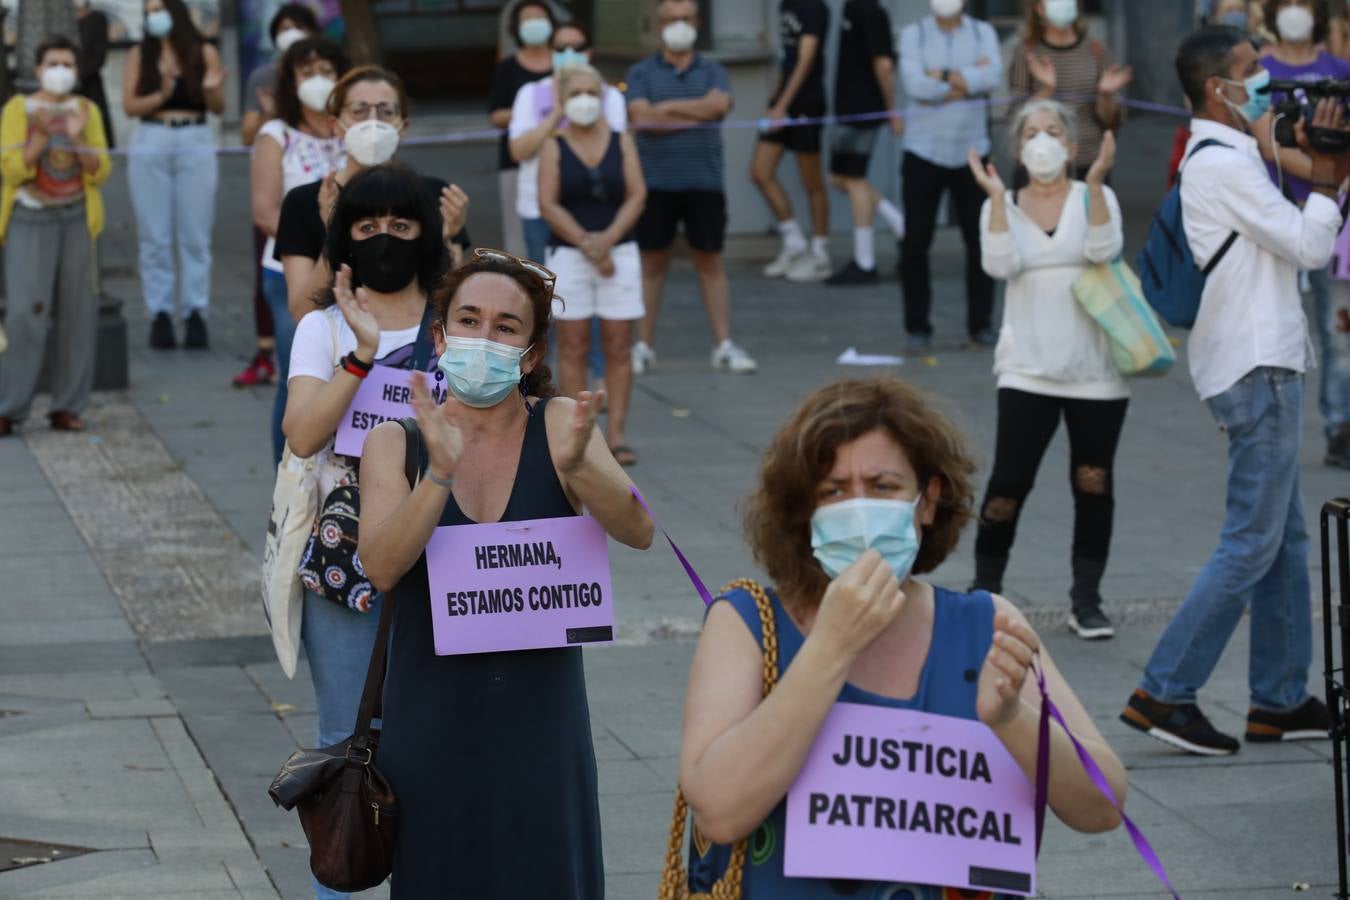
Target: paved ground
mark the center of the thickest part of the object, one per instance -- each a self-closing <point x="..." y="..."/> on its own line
<point x="142" y="715"/>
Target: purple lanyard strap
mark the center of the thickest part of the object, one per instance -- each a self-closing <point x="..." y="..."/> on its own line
<point x="1048" y="711"/>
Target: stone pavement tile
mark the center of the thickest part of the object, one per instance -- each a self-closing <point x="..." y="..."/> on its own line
<point x="206" y="690"/>
<point x="35" y="582"/>
<point x="96" y="624"/>
<point x="297" y="692"/>
<point x="78" y="686"/>
<point x="631" y="887"/>
<point x="222" y="651"/>
<point x="74" y="877"/>
<point x="636" y="830"/>
<point x="289" y="869"/>
<point x="139" y="708"/>
<point x="630" y="777"/>
<point x="84" y="656"/>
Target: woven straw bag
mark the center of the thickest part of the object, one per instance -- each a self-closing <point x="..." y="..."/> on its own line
<point x="675" y="879"/>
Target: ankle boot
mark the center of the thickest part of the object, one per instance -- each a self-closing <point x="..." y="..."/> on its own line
<point x="1087" y="582"/>
<point x="989" y="573"/>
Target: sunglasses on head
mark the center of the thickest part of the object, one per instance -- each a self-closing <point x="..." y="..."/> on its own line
<point x="528" y="265"/>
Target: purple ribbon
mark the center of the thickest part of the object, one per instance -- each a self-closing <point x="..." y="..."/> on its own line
<point x="1048" y="711"/>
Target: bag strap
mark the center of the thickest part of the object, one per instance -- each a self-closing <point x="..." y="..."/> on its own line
<point x="1232" y="238"/>
<point x="422" y="349"/>
<point x="675" y="879"/>
<point x="372" y="694"/>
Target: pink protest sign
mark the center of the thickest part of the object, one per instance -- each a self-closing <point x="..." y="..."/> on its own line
<point x="384" y="394"/>
<point x="903" y="796"/>
<point x="520" y="585"/>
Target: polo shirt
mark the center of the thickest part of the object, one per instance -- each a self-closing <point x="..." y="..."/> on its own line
<point x="679" y="160"/>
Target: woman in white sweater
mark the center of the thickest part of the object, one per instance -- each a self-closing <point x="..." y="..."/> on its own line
<point x="1052" y="359"/>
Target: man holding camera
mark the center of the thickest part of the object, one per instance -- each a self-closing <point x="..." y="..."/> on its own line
<point x="1248" y="354"/>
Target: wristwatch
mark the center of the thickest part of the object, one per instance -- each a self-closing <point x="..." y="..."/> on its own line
<point x="946" y="74"/>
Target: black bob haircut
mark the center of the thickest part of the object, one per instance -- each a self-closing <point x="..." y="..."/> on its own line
<point x="55" y="42"/>
<point x="391" y="189"/>
<point x="1205" y="54"/>
<point x="519" y="9"/>
<point x="299" y="13"/>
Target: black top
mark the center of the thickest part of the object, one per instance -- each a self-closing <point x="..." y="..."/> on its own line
<point x="507" y="80"/>
<point x="490" y="754"/>
<point x="301" y="231"/>
<point x="93" y="52"/>
<point x="865" y="35"/>
<point x="592" y="196"/>
<point x="796" y="18"/>
<point x="180" y="100"/>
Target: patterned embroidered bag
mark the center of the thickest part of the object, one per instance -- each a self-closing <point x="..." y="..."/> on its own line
<point x="331" y="567"/>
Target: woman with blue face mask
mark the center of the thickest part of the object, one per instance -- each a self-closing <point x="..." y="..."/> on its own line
<point x="384" y="241"/>
<point x="171" y="80"/>
<point x="483" y="746"/>
<point x="863" y="488"/>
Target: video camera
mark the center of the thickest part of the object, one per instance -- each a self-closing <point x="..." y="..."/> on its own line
<point x="1300" y="102"/>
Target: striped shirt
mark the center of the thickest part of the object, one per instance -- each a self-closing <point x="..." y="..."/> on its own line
<point x="689" y="159"/>
<point x="1078" y="68"/>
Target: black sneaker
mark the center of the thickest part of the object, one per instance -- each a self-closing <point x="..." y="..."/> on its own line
<point x="1181" y="725"/>
<point x="984" y="339"/>
<point x="1338" y="449"/>
<point x="161" y="333"/>
<point x="852" y="274"/>
<point x="196" y="332"/>
<point x="1091" y="624"/>
<point x="1310" y="722"/>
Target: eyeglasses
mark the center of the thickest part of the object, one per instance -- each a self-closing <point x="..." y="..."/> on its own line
<point x="385" y="112"/>
<point x="528" y="265"/>
<point x="575" y="48"/>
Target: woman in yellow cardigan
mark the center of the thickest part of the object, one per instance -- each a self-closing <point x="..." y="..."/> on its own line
<point x="54" y="156"/>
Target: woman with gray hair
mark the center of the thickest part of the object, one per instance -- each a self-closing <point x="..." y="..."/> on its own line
<point x="1052" y="359"/>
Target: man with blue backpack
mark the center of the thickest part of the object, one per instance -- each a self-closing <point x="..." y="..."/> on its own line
<point x="1248" y="350"/>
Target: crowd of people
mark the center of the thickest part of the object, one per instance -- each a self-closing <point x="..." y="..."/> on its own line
<point x="364" y="263"/>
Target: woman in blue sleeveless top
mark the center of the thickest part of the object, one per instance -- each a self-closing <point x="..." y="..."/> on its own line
<point x="862" y="488"/>
<point x="489" y="754"/>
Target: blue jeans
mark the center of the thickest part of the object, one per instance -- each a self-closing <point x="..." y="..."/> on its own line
<point x="173" y="174"/>
<point x="274" y="291"/>
<point x="1261" y="562"/>
<point x="1330" y="299"/>
<point x="337" y="643"/>
<point x="536" y="243"/>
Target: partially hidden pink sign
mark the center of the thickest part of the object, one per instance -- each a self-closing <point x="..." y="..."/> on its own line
<point x="904" y="796"/>
<point x="520" y="586"/>
<point x="385" y="394"/>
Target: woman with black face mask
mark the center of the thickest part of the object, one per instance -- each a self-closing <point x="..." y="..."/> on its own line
<point x="384" y="242"/>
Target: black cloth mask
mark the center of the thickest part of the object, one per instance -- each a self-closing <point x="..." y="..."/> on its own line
<point x="384" y="263"/>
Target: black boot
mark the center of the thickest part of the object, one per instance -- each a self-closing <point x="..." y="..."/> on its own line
<point x="989" y="573"/>
<point x="1087" y="619"/>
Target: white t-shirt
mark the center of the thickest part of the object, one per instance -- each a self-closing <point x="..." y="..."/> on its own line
<point x="1049" y="344"/>
<point x="533" y="104"/>
<point x="305" y="159"/>
<point x="312" y="356"/>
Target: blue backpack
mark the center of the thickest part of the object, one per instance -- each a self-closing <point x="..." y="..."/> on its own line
<point x="1171" y="280"/>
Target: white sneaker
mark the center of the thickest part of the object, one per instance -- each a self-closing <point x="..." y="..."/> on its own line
<point x="644" y="358"/>
<point x="783" y="262"/>
<point x="732" y="358"/>
<point x="810" y="267"/>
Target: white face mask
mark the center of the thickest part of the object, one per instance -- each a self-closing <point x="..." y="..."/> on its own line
<point x="1045" y="157"/>
<point x="287" y="37"/>
<point x="1061" y="13"/>
<point x="371" y="142"/>
<point x="314" y="92"/>
<point x="58" y="80"/>
<point x="535" y="32"/>
<point x="946" y="9"/>
<point x="679" y="36"/>
<point x="583" y="109"/>
<point x="1294" y="23"/>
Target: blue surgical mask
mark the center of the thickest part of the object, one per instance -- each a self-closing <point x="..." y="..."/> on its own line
<point x="534" y="32"/>
<point x="479" y="372"/>
<point x="569" y="57"/>
<point x="1235" y="18"/>
<point x="159" y="23"/>
<point x="1257" y="101"/>
<point x="841" y="532"/>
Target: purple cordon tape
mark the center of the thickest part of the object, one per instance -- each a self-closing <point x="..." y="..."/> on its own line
<point x="1048" y="711"/>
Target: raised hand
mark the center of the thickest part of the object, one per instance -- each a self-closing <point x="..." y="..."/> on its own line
<point x="76" y="120"/>
<point x="1005" y="670"/>
<point x="454" y="211"/>
<point x="355" y="307"/>
<point x="858" y="605"/>
<point x="1115" y="79"/>
<point x="1106" y="158"/>
<point x="328" y="197"/>
<point x="1043" y="70"/>
<point x="986" y="176"/>
<point x="213" y="78"/>
<point x="580" y="429"/>
<point x="441" y="434"/>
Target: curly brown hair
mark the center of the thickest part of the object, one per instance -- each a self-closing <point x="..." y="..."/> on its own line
<point x="539" y="381"/>
<point x="778" y="514"/>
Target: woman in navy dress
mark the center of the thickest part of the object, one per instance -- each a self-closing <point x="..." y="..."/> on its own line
<point x="489" y="754"/>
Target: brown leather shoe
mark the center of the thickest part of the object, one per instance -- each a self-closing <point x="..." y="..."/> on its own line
<point x="6" y="427"/>
<point x="66" y="421"/>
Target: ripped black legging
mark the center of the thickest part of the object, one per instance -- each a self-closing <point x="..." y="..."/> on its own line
<point x="1026" y="423"/>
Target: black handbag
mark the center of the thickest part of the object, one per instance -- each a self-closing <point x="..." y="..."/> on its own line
<point x="347" y="808"/>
